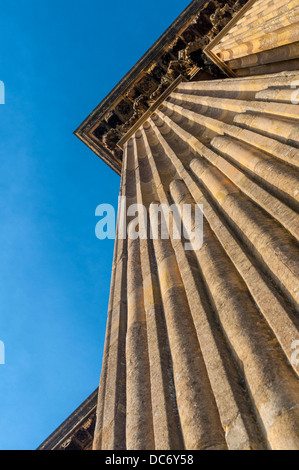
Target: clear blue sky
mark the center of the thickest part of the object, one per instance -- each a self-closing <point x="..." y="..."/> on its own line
<point x="58" y="60"/>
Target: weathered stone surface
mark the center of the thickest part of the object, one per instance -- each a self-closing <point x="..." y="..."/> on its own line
<point x="179" y="51"/>
<point x="199" y="349"/>
<point x="236" y="298"/>
<point x="262" y="38"/>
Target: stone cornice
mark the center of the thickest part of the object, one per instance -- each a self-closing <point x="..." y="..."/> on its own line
<point x="209" y="48"/>
<point x="76" y="432"/>
<point x="150" y="111"/>
<point x="177" y="52"/>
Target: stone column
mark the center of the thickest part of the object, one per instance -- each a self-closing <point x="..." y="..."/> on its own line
<point x="200" y="344"/>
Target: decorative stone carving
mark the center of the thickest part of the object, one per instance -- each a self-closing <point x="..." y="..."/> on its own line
<point x="182" y="55"/>
<point x="124" y="110"/>
<point x="111" y="138"/>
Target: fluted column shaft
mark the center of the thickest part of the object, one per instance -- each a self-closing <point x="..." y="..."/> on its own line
<point x="200" y="344"/>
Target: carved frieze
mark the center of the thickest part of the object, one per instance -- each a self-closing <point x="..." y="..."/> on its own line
<point x="178" y="53"/>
